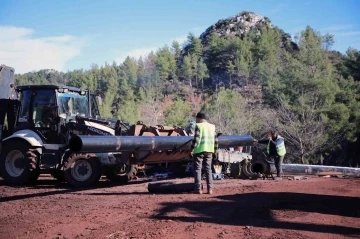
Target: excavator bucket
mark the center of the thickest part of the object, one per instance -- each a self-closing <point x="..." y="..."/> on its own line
<point x="7" y="90"/>
<point x="9" y="105"/>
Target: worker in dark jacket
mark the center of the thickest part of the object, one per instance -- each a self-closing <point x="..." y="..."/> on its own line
<point x="204" y="147"/>
<point x="275" y="149"/>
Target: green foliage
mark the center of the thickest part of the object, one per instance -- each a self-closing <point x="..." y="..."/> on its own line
<point x="352" y="64"/>
<point x="309" y="92"/>
<point x="186" y="69"/>
<point x="126" y="108"/>
<point x="178" y="113"/>
<point x="310" y="114"/>
<point x="194" y="45"/>
<point x="202" y="72"/>
<point x="176" y="49"/>
<point x="108" y="85"/>
<point x="228" y="110"/>
<point x="165" y="63"/>
<point x="130" y="67"/>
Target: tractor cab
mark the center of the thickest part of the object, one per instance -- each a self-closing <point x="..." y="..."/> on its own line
<point x="47" y="109"/>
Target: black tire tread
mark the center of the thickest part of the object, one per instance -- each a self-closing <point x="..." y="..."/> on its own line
<point x="96" y="169"/>
<point x="33" y="160"/>
<point x="246" y="170"/>
<point x="31" y="172"/>
<point x="111" y="174"/>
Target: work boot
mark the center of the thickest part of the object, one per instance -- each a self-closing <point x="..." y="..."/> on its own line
<point x="198" y="189"/>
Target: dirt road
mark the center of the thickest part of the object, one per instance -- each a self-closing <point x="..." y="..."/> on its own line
<point x="312" y="208"/>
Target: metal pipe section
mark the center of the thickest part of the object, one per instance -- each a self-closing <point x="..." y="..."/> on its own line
<point x="254" y="169"/>
<point x="301" y="169"/>
<point x="104" y="144"/>
<point x="260" y="166"/>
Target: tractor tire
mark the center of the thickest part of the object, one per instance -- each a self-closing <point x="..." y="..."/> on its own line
<point x="260" y="166"/>
<point x="121" y="175"/>
<point x="82" y="170"/>
<point x="246" y="170"/>
<point x="33" y="155"/>
<point x="18" y="163"/>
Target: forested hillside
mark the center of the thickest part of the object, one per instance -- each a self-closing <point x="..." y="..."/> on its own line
<point x="249" y="76"/>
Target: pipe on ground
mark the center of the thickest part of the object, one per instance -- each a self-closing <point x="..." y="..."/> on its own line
<point x="264" y="167"/>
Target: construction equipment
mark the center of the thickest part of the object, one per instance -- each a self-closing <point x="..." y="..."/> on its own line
<point x="229" y="160"/>
<point x="42" y="118"/>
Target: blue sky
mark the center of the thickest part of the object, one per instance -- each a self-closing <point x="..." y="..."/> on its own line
<point x="67" y="35"/>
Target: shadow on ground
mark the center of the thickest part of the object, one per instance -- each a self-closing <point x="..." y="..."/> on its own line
<point x="261" y="209"/>
<point x="54" y="187"/>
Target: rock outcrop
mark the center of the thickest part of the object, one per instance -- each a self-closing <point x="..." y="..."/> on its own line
<point x="238" y="25"/>
<point x="243" y="23"/>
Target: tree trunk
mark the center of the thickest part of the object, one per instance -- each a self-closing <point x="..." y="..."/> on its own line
<point x="302" y="159"/>
<point x="202" y="86"/>
<point x="302" y="152"/>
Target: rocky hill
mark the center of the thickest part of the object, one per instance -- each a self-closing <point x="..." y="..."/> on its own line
<point x="243" y="23"/>
<point x="238" y="25"/>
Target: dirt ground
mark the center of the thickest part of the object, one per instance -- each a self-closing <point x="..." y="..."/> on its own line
<point x="311" y="208"/>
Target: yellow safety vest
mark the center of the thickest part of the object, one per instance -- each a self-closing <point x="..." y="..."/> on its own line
<point x="207" y="138"/>
<point x="280" y="149"/>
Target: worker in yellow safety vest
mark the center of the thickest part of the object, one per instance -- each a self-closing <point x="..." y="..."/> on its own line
<point x="275" y="149"/>
<point x="203" y="149"/>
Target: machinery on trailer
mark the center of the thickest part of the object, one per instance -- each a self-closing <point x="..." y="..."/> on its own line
<point x="40" y="120"/>
<point x="229" y="161"/>
<point x="37" y="121"/>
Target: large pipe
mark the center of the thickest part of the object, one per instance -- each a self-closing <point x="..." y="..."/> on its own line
<point x="262" y="166"/>
<point x="103" y="144"/>
<point x="301" y="169"/>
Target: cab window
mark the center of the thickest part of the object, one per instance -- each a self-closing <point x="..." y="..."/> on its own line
<point x="44" y="108"/>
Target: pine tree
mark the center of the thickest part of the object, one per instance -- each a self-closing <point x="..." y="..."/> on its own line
<point x="194" y="45"/>
<point x="166" y="63"/>
<point x="130" y="68"/>
<point x="202" y="72"/>
<point x="352" y="64"/>
<point x="187" y="69"/>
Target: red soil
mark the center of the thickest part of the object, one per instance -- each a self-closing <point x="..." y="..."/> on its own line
<point x="311" y="208"/>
